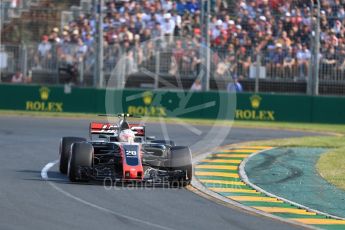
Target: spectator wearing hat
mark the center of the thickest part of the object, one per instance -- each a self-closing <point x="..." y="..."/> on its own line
<point x="178" y="23"/>
<point x="168" y="26"/>
<point x="287" y="22"/>
<point x="54" y="36"/>
<point x="66" y="38"/>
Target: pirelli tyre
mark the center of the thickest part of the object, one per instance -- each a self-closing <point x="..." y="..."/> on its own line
<point x="164" y="142"/>
<point x="181" y="159"/>
<point x="65" y="149"/>
<point x="80" y="157"/>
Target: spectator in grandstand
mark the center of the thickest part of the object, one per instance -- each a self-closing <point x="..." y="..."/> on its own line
<point x="216" y="27"/>
<point x="81" y="51"/>
<point x="196" y="85"/>
<point x="244" y="62"/>
<point x="250" y="27"/>
<point x="18" y="77"/>
<point x="126" y="35"/>
<point x="196" y="62"/>
<point x="192" y="6"/>
<point x="278" y="60"/>
<point x="289" y="63"/>
<point x="221" y="70"/>
<point x="181" y="6"/>
<point x="167" y="5"/>
<point x="187" y="61"/>
<point x="303" y="35"/>
<point x="75" y="36"/>
<point x="157" y="32"/>
<point x="145" y="35"/>
<point x="168" y="26"/>
<point x="328" y="63"/>
<point x="43" y="53"/>
<point x="341" y="62"/>
<point x="284" y="40"/>
<point x="15" y="3"/>
<point x="303" y="56"/>
<point x="178" y="54"/>
<point x="3" y="59"/>
<point x="89" y="40"/>
<point x="66" y="38"/>
<point x="54" y="36"/>
<point x="235" y="86"/>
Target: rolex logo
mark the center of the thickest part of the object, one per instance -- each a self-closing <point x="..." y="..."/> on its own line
<point x="147" y="97"/>
<point x="44" y="93"/>
<point x="255" y="101"/>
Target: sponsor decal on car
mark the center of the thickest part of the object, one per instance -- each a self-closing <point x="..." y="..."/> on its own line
<point x="131" y="154"/>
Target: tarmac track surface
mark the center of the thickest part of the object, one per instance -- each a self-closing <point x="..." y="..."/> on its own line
<point x="27" y="144"/>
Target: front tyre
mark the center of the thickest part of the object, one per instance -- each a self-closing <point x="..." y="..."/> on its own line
<point x="181" y="159"/>
<point x="65" y="150"/>
<point x="80" y="157"/>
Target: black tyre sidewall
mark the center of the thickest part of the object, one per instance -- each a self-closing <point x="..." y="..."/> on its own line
<point x="181" y="159"/>
<point x="65" y="151"/>
<point x="81" y="156"/>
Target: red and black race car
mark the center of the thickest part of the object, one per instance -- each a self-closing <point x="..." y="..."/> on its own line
<point x="122" y="153"/>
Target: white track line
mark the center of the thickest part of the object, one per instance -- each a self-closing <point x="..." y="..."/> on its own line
<point x="44" y="175"/>
<point x="44" y="172"/>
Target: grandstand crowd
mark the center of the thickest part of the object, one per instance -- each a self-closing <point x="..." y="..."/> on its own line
<point x="279" y="31"/>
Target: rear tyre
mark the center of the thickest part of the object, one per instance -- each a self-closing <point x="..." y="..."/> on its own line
<point x="181" y="159"/>
<point x="164" y="142"/>
<point x="65" y="150"/>
<point x="80" y="157"/>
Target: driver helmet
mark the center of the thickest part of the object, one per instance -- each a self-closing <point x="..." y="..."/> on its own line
<point x="127" y="135"/>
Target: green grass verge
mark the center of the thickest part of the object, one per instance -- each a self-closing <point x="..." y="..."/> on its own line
<point x="330" y="165"/>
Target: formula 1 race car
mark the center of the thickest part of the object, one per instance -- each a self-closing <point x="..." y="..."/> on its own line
<point x="123" y="153"/>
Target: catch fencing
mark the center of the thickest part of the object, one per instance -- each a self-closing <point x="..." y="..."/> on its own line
<point x="260" y="63"/>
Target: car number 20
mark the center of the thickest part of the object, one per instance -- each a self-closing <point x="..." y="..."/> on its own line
<point x="131" y="153"/>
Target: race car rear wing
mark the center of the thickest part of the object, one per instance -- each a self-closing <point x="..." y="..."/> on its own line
<point x="99" y="130"/>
